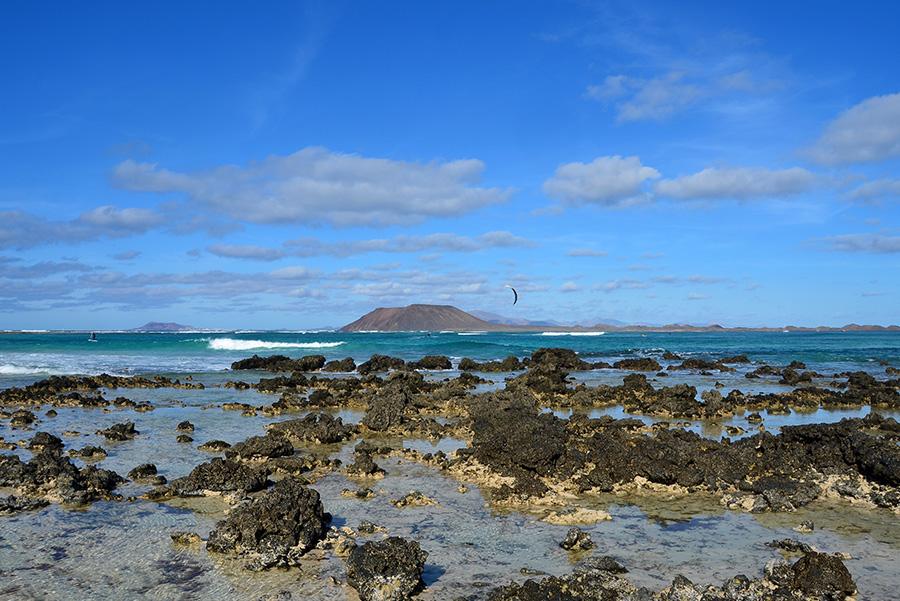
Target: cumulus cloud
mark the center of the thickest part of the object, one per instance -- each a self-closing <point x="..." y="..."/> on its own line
<point x="867" y="132"/>
<point x="607" y="180"/>
<point x="19" y="229"/>
<point x="569" y="287"/>
<point x="739" y="183"/>
<point x="877" y="190"/>
<point x="865" y="243"/>
<point x="316" y="185"/>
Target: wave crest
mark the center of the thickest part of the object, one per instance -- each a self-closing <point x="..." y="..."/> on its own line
<point x="572" y="333"/>
<point x="236" y="344"/>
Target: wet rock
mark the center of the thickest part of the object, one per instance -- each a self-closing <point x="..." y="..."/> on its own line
<point x="183" y="439"/>
<point x="380" y="363"/>
<point x="804" y="527"/>
<point x="187" y="539"/>
<point x="735" y="359"/>
<point x="275" y="529"/>
<point x="413" y="499"/>
<point x="754" y="418"/>
<point x="274" y="444"/>
<point x="388" y="570"/>
<point x="363" y="494"/>
<point x="510" y="363"/>
<point x="367" y="527"/>
<point x="604" y="563"/>
<point x="345" y="365"/>
<point x="51" y="476"/>
<point x="44" y="441"/>
<point x="432" y="362"/>
<point x="321" y="428"/>
<point x="641" y="364"/>
<point x="13" y="504"/>
<point x="22" y="418"/>
<point x="822" y="576"/>
<point x="145" y="472"/>
<point x="185" y="426"/>
<point x="790" y="545"/>
<point x="214" y="446"/>
<point x="119" y="432"/>
<point x="219" y="475"/>
<point x="558" y="359"/>
<point x="698" y="364"/>
<point x="670" y="356"/>
<point x="89" y="453"/>
<point x="541" y="380"/>
<point x="363" y="463"/>
<point x="51" y="413"/>
<point x="577" y="540"/>
<point x="280" y="363"/>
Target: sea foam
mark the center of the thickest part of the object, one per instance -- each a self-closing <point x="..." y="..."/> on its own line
<point x="572" y="333"/>
<point x="236" y="344"/>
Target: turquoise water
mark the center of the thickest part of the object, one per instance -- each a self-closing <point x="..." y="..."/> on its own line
<point x="39" y="354"/>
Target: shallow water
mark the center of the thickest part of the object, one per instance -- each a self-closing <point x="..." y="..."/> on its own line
<point x="122" y="550"/>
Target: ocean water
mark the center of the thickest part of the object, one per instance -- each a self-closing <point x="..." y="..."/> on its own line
<point x="25" y="355"/>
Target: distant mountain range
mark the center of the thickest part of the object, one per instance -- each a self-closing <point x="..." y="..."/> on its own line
<point x="437" y="318"/>
<point x="162" y="326"/>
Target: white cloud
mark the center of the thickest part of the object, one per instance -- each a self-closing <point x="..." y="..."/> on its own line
<point x="24" y="230"/>
<point x="315" y="185"/>
<point x="867" y="132"/>
<point x="569" y="287"/>
<point x="877" y="190"/>
<point x="866" y="243"/>
<point x="740" y="183"/>
<point x="607" y="180"/>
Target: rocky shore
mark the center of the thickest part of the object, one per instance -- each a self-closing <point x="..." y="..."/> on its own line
<point x="526" y="442"/>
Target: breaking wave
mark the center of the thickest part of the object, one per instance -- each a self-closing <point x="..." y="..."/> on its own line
<point x="235" y="344"/>
<point x="572" y="333"/>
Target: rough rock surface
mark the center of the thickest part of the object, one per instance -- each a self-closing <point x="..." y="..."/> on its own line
<point x="219" y="475"/>
<point x="275" y="529"/>
<point x="322" y="428"/>
<point x="387" y="570"/>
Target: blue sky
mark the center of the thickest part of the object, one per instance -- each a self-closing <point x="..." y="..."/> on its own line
<point x="225" y="166"/>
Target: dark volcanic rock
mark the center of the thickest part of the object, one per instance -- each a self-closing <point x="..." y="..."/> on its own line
<point x="119" y="432"/>
<point x="185" y="426"/>
<point x="280" y="363"/>
<point x="340" y="365"/>
<point x="274" y="529"/>
<point x="823" y="577"/>
<point x="380" y="363"/>
<point x="44" y="441"/>
<point x="144" y="471"/>
<point x="432" y="362"/>
<point x="558" y="359"/>
<point x="322" y="428"/>
<point x="14" y="504"/>
<point x="387" y="570"/>
<point x="516" y="439"/>
<point x="219" y="475"/>
<point x="577" y="540"/>
<point x="641" y="364"/>
<point x="215" y="446"/>
<point x="50" y="475"/>
<point x="510" y="363"/>
<point x="274" y="444"/>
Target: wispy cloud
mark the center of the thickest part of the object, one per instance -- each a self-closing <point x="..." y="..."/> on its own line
<point x="19" y="229"/>
<point x="865" y="243"/>
<point x="739" y="183"/>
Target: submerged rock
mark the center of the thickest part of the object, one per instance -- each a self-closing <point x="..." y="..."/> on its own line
<point x="119" y="432"/>
<point x="387" y="570"/>
<point x="274" y="529"/>
<point x="577" y="540"/>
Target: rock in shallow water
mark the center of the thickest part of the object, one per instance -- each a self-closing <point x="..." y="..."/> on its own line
<point x="274" y="529"/>
<point x="388" y="570"/>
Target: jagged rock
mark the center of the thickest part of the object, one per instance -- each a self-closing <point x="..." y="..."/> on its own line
<point x="274" y="529"/>
<point x="215" y="446"/>
<point x="388" y="570"/>
<point x="274" y="444"/>
<point x="345" y="365"/>
<point x="641" y="364"/>
<point x="185" y="426"/>
<point x="219" y="475"/>
<point x="322" y="428"/>
<point x="380" y="363"/>
<point x="432" y="362"/>
<point x="119" y="432"/>
<point x="577" y="540"/>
